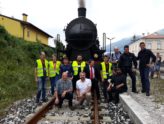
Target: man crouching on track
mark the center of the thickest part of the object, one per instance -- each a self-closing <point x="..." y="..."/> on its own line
<point x="64" y="91"/>
<point x="83" y="90"/>
<point x="117" y="85"/>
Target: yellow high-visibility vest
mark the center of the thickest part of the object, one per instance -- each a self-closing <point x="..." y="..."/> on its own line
<point x="104" y="73"/>
<point x="75" y="67"/>
<point x="40" y="68"/>
<point x="52" y="71"/>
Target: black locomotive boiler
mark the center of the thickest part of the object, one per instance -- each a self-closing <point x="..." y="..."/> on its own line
<point x="81" y="36"/>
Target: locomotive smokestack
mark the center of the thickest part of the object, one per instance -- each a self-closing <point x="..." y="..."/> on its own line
<point x="82" y="9"/>
<point x="81" y="3"/>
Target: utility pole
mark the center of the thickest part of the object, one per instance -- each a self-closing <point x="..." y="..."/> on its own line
<point x="104" y="41"/>
<point x="110" y="44"/>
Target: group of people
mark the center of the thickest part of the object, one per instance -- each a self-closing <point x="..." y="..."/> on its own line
<point x="66" y="78"/>
<point x="82" y="80"/>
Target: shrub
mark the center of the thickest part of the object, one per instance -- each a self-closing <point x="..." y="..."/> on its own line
<point x="17" y="59"/>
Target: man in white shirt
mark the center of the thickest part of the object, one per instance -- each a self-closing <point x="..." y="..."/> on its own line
<point x="83" y="89"/>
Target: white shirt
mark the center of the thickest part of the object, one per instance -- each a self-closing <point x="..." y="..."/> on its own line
<point x="82" y="86"/>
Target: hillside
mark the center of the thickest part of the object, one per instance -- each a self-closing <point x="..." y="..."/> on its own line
<point x="17" y="59"/>
<point x="161" y="31"/>
<point x="120" y="44"/>
<point x="125" y="41"/>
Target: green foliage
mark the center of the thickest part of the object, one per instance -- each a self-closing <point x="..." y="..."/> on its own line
<point x="59" y="45"/>
<point x="17" y="59"/>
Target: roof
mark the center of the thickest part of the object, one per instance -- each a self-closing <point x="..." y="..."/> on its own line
<point x="153" y="36"/>
<point x="28" y="24"/>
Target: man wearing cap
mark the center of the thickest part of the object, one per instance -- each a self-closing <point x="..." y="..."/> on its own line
<point x="66" y="67"/>
<point x="126" y="61"/>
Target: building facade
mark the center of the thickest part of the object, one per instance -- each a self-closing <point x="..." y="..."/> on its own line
<point x="154" y="42"/>
<point x="24" y="29"/>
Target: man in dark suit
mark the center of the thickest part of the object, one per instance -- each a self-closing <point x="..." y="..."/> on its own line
<point x="126" y="62"/>
<point x="93" y="74"/>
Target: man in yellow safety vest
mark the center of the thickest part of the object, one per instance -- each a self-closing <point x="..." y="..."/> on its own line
<point x="54" y="72"/>
<point x="78" y="66"/>
<point x="106" y="72"/>
<point x="41" y="74"/>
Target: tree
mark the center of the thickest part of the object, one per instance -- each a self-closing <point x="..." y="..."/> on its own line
<point x="59" y="46"/>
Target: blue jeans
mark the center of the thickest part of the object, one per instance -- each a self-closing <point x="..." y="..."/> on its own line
<point x="144" y="73"/>
<point x="53" y="81"/>
<point x="41" y="89"/>
<point x="157" y="68"/>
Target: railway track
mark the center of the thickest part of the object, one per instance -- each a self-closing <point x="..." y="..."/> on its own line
<point x="38" y="115"/>
<point x="51" y="114"/>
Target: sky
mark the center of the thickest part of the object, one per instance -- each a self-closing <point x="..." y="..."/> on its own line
<point x="116" y="18"/>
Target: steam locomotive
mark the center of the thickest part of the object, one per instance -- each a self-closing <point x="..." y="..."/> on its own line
<point x="81" y="36"/>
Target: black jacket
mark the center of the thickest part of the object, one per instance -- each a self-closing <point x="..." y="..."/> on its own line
<point x="119" y="79"/>
<point x="87" y="71"/>
<point x="127" y="60"/>
<point x="144" y="57"/>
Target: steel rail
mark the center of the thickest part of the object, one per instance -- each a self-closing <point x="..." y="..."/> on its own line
<point x="96" y="110"/>
<point x="41" y="113"/>
<point x="38" y="115"/>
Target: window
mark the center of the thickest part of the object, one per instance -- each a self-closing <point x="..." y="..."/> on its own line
<point x="28" y="33"/>
<point x="158" y="45"/>
<point x="149" y="46"/>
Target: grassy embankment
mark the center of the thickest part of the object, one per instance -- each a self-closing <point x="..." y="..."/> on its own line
<point x="17" y="59"/>
<point x="156" y="86"/>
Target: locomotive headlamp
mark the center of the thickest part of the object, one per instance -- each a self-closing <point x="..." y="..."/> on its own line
<point x="95" y="55"/>
<point x="64" y="56"/>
